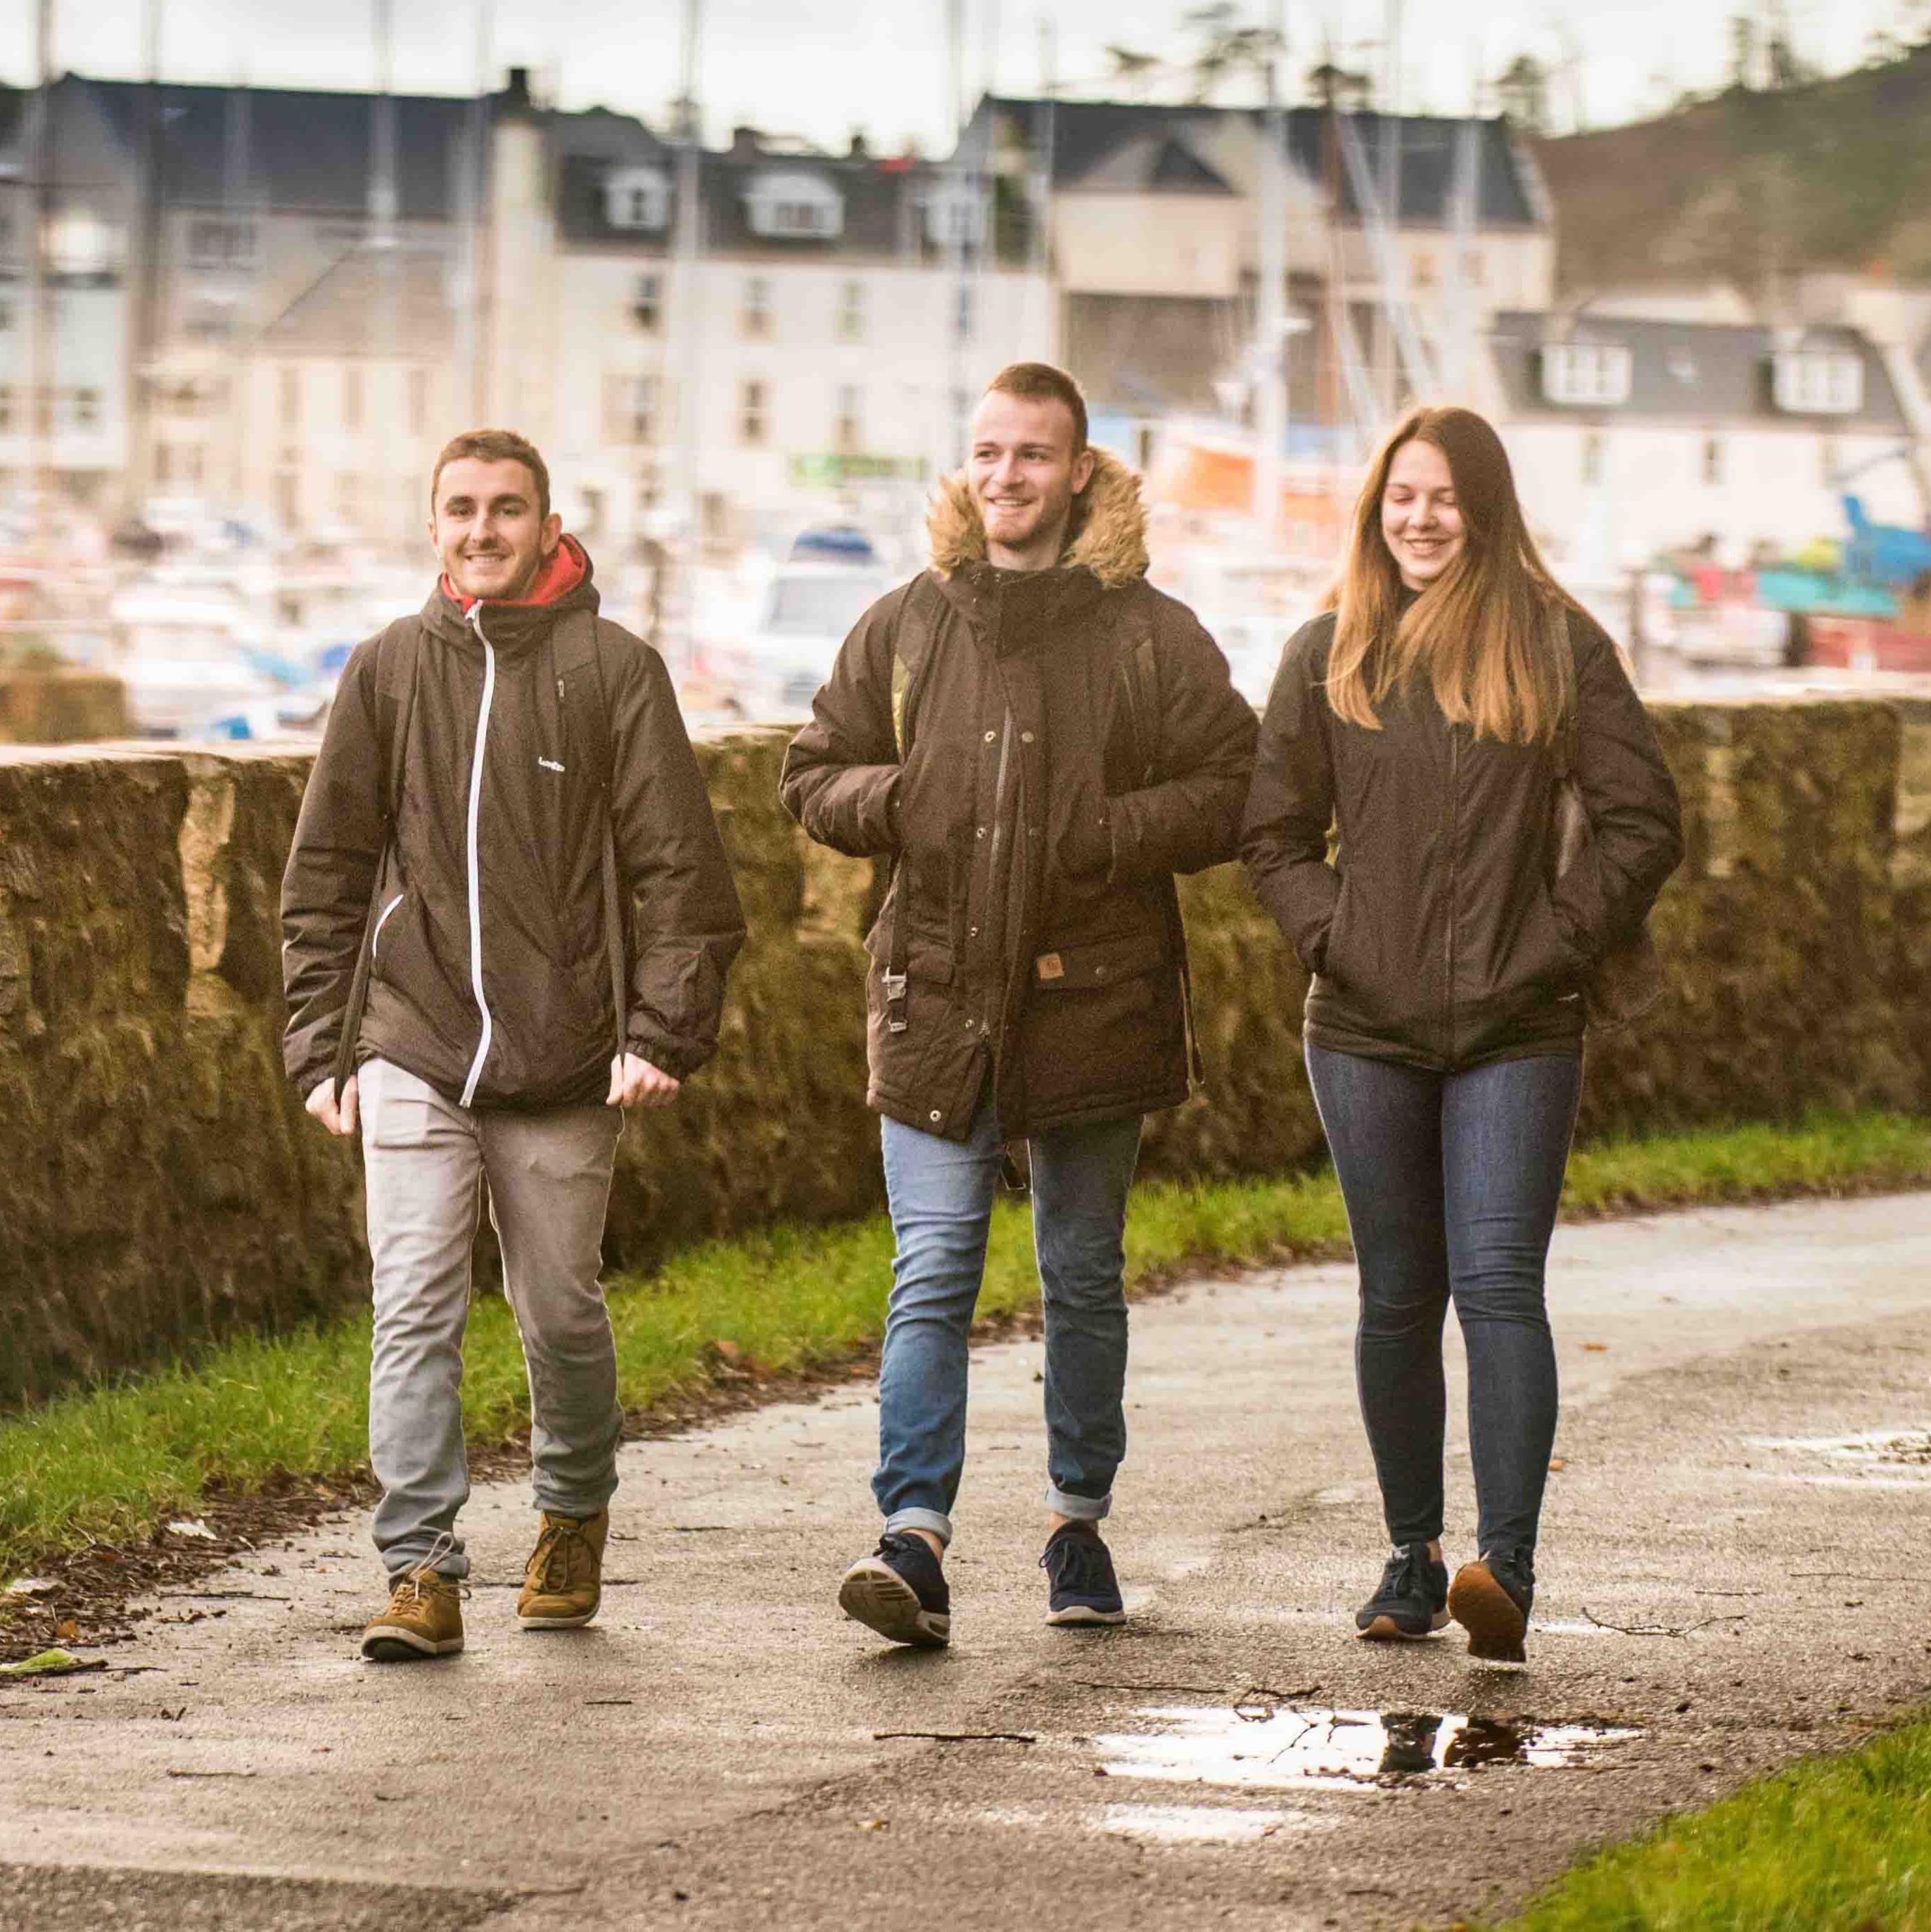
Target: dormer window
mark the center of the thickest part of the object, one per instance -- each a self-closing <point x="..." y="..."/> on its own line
<point x="790" y="206"/>
<point x="1817" y="382"/>
<point x="1585" y="374"/>
<point x="954" y="218"/>
<point x="637" y="198"/>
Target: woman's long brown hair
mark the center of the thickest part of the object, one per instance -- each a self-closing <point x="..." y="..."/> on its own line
<point x="1481" y="631"/>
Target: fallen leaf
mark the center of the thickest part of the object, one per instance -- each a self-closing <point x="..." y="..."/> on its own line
<point x="68" y="1630"/>
<point x="874" y="1824"/>
<point x="1595" y="1348"/>
<point x="1558" y="1463"/>
<point x="191" y="1525"/>
<point x="31" y="1586"/>
<point x="51" y="1664"/>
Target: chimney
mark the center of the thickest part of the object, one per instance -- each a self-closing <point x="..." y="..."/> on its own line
<point x="516" y="92"/>
<point x="747" y="144"/>
<point x="859" y="151"/>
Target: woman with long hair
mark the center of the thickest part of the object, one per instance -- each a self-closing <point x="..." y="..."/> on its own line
<point x="1429" y="717"/>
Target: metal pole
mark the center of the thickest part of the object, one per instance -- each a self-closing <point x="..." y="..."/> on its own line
<point x="1270" y="417"/>
<point x="956" y="190"/>
<point x="40" y="333"/>
<point x="1391" y="211"/>
<point x="680" y="621"/>
<point x="143" y="271"/>
<point x="473" y="203"/>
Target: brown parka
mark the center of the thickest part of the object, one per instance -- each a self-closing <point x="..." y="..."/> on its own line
<point x="1053" y="747"/>
<point x="1438" y="935"/>
<point x="491" y="977"/>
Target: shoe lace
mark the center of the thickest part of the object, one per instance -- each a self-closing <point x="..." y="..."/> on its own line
<point x="1402" y="1576"/>
<point x="1076" y="1562"/>
<point x="550" y="1561"/>
<point x="410" y="1591"/>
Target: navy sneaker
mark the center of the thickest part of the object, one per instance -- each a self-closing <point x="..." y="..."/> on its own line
<point x="1079" y="1568"/>
<point x="1412" y="1600"/>
<point x="1491" y="1600"/>
<point x="900" y="1592"/>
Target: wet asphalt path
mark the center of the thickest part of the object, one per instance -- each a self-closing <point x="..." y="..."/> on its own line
<point x="708" y="1755"/>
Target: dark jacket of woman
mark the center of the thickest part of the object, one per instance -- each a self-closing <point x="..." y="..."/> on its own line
<point x="1040" y="753"/>
<point x="1435" y="934"/>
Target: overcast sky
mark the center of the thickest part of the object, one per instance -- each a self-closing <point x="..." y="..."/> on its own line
<point x="822" y="68"/>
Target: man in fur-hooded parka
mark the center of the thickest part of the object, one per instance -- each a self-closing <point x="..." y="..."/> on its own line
<point x="1049" y="748"/>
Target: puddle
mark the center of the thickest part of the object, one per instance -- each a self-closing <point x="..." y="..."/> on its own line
<point x="1200" y="1824"/>
<point x="1283" y="1747"/>
<point x="1907" y="1448"/>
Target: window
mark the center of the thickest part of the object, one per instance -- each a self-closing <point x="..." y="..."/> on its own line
<point x="798" y="206"/>
<point x="418" y="401"/>
<point x="965" y="312"/>
<point x="10" y="407"/>
<point x="1713" y="459"/>
<point x="647" y="307"/>
<point x="219" y="244"/>
<point x="753" y="407"/>
<point x="754" y="317"/>
<point x="954" y="217"/>
<point x="1421" y="270"/>
<point x="6" y="317"/>
<point x="849" y="325"/>
<point x="291" y="400"/>
<point x="83" y="408"/>
<point x="1830" y="460"/>
<point x="351" y="399"/>
<point x="287" y="502"/>
<point x="1593" y="455"/>
<point x="637" y="198"/>
<point x="848" y="431"/>
<point x="197" y="396"/>
<point x="1474" y="268"/>
<point x="1585" y="373"/>
<point x="630" y="409"/>
<point x="1817" y="382"/>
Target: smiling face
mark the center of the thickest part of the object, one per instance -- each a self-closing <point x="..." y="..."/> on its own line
<point x="1421" y="519"/>
<point x="488" y="528"/>
<point x="1024" y="474"/>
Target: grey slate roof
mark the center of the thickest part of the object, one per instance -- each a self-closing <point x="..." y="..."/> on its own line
<point x="1687" y="372"/>
<point x="1157" y="159"/>
<point x="308" y="152"/>
<point x="1086" y="134"/>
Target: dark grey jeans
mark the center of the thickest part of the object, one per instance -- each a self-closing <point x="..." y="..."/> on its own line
<point x="1452" y="1182"/>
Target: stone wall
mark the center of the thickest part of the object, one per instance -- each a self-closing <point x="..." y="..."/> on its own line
<point x="159" y="1184"/>
<point x="59" y="704"/>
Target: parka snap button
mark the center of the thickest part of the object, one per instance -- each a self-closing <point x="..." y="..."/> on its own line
<point x="935" y="1115"/>
<point x="990" y="736"/>
<point x="1025" y="737"/>
<point x="979" y="831"/>
<point x="972" y="932"/>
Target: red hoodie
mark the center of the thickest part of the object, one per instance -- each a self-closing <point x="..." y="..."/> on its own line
<point x="558" y="574"/>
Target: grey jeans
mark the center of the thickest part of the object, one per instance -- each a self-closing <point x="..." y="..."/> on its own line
<point x="549" y="1177"/>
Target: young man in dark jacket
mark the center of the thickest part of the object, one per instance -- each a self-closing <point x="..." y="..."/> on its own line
<point x="507" y="916"/>
<point x="1038" y="740"/>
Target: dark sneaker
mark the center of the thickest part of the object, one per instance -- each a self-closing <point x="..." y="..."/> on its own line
<point x="1079" y="1568"/>
<point x="1412" y="1600"/>
<point x="1491" y="1600"/>
<point x="900" y="1592"/>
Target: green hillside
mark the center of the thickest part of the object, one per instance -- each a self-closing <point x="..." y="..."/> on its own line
<point x="1752" y="184"/>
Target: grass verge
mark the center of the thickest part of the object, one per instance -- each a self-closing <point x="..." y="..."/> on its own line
<point x="1839" y="1844"/>
<point x="108" y="1464"/>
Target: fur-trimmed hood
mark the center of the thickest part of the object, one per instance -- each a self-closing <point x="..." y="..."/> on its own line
<point x="1108" y="534"/>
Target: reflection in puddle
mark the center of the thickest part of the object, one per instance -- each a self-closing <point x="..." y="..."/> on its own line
<point x="1268" y="1747"/>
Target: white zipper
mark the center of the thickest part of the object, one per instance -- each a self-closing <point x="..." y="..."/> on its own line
<point x="476" y="879"/>
<point x="382" y="919"/>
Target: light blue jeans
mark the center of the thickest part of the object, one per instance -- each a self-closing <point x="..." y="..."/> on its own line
<point x="940" y="1194"/>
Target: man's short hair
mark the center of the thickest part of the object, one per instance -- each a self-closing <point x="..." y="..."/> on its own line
<point x="1040" y="382"/>
<point x="494" y="445"/>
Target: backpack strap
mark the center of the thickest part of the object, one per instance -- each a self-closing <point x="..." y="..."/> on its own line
<point x="578" y="660"/>
<point x="398" y="656"/>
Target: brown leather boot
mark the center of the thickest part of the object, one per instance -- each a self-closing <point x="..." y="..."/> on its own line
<point x="424" y="1618"/>
<point x="562" y="1583"/>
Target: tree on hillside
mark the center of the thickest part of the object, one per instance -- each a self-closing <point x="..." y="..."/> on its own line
<point x="1522" y="89"/>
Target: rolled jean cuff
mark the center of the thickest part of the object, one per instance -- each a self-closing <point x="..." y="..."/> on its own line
<point x="580" y="1508"/>
<point x="1078" y="1509"/>
<point x="930" y="1520"/>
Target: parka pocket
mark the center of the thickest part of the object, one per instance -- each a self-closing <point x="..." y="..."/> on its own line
<point x="1102" y="1023"/>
